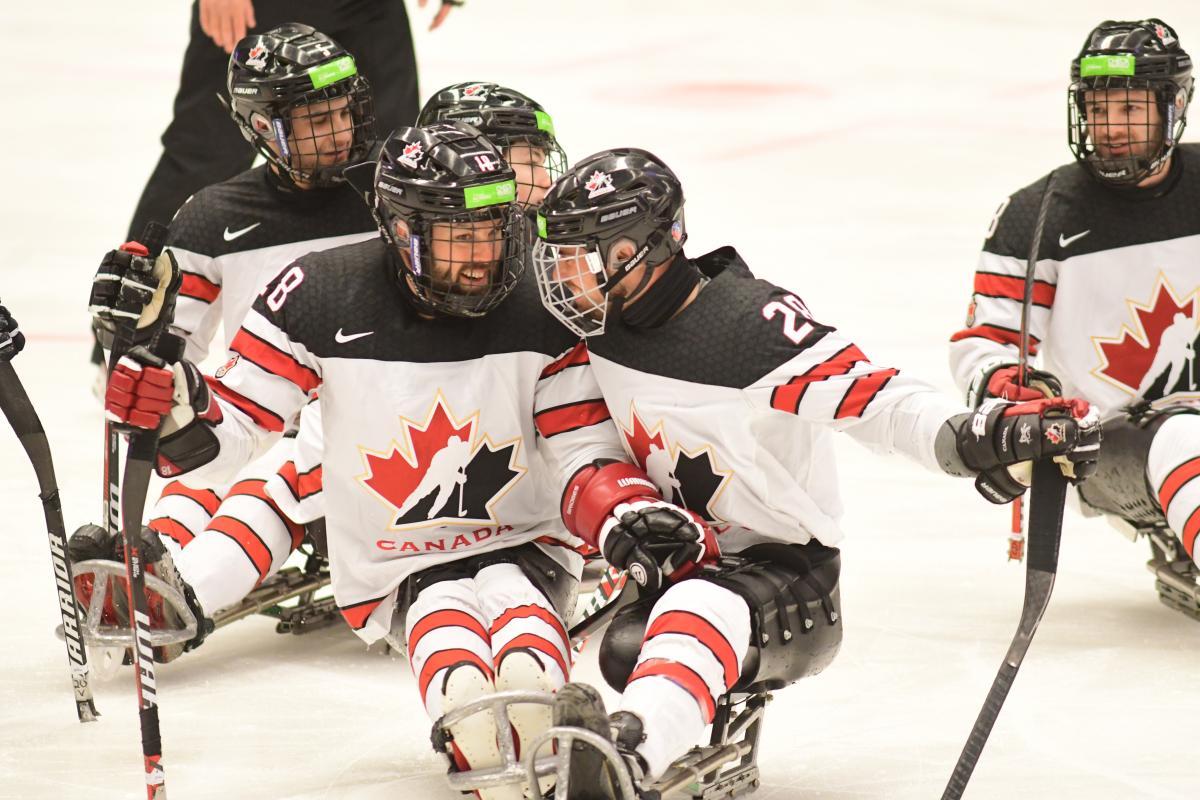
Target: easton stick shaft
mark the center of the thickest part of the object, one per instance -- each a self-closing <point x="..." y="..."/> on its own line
<point x="25" y="423"/>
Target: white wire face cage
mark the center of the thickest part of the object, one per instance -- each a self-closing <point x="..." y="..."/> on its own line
<point x="573" y="284"/>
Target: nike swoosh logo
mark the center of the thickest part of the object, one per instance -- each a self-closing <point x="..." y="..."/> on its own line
<point x="230" y="236"/>
<point x="342" y="338"/>
<point x="1063" y="241"/>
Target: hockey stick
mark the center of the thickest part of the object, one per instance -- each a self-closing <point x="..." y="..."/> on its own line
<point x="25" y="423"/>
<point x="1016" y="539"/>
<point x="125" y="500"/>
<point x="1049" y="495"/>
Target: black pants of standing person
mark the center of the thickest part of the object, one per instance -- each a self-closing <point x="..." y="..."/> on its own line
<point x="202" y="145"/>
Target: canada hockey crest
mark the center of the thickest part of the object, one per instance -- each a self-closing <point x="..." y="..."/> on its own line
<point x="441" y="471"/>
<point x="688" y="478"/>
<point x="1155" y="355"/>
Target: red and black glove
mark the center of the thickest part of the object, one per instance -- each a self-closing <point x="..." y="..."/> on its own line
<point x="1000" y="434"/>
<point x="615" y="507"/>
<point x="1000" y="380"/>
<point x="140" y="391"/>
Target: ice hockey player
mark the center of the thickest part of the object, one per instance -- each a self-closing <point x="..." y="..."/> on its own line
<point x="524" y="132"/>
<point x="514" y="122"/>
<point x="414" y="339"/>
<point x="1114" y="315"/>
<point x="742" y="387"/>
<point x="12" y="341"/>
<point x="298" y="99"/>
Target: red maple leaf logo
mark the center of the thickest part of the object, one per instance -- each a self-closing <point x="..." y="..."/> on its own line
<point x="640" y="440"/>
<point x="395" y="475"/>
<point x="1127" y="358"/>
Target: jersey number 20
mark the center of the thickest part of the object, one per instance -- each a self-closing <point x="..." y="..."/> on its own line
<point x="797" y="320"/>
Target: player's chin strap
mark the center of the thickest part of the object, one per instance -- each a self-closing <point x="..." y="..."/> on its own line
<point x="663" y="298"/>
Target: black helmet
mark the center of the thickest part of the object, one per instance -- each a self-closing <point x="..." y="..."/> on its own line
<point x="1119" y="64"/>
<point x="608" y="197"/>
<point x="510" y="119"/>
<point x="465" y="246"/>
<point x="294" y="67"/>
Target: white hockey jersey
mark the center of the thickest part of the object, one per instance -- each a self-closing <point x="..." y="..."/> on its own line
<point x="232" y="237"/>
<point x="441" y="438"/>
<point x="1114" y="313"/>
<point x="730" y="405"/>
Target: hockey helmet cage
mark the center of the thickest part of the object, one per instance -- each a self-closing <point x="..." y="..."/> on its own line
<point x="462" y="244"/>
<point x="608" y="197"/>
<point x="516" y="123"/>
<point x="298" y="97"/>
<point x="1121" y="66"/>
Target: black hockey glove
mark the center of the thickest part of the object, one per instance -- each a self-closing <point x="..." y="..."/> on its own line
<point x="1001" y="434"/>
<point x="1000" y="380"/>
<point x="656" y="541"/>
<point x="12" y="341"/>
<point x="131" y="290"/>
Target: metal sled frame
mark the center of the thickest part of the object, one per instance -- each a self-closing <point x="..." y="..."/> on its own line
<point x="1175" y="575"/>
<point x="97" y="634"/>
<point x="727" y="767"/>
<point x="511" y="770"/>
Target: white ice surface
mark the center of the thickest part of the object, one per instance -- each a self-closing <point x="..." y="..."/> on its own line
<point x="854" y="151"/>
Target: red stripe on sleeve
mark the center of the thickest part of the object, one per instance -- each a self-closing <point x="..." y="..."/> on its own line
<point x="262" y="417"/>
<point x="787" y="397"/>
<point x="682" y="677"/>
<point x="862" y="392"/>
<point x="310" y="482"/>
<point x="570" y="417"/>
<point x="575" y="357"/>
<point x="447" y="618"/>
<point x="531" y="610"/>
<point x="273" y="360"/>
<point x="996" y="334"/>
<point x="206" y="498"/>
<point x="992" y="285"/>
<point x="689" y="624"/>
<point x="449" y="658"/>
<point x="199" y="288"/>
<point x="1175" y="481"/>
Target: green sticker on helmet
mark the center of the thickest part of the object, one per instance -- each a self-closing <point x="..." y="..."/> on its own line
<point x="324" y="74"/>
<point x="541" y="226"/>
<point x="1092" y="66"/>
<point x="490" y="194"/>
<point x="544" y="122"/>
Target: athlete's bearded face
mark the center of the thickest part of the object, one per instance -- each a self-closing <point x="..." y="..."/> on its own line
<point x="1123" y="122"/>
<point x="465" y="255"/>
<point x="528" y="161"/>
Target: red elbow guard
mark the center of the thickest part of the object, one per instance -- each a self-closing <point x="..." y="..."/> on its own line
<point x="596" y="489"/>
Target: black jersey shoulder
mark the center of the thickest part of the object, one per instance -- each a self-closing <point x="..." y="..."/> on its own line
<point x="251" y="212"/>
<point x="353" y="289"/>
<point x="1107" y="218"/>
<point x="731" y="335"/>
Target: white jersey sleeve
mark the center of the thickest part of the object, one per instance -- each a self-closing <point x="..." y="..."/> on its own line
<point x="992" y="333"/>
